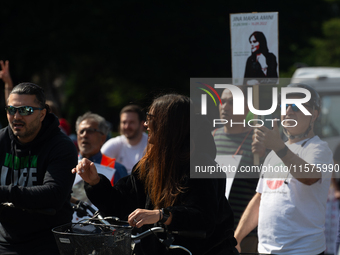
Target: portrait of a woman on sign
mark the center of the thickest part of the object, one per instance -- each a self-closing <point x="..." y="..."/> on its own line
<point x="261" y="63"/>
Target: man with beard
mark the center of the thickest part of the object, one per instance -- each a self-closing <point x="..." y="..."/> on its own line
<point x="128" y="148"/>
<point x="35" y="160"/>
<point x="289" y="207"/>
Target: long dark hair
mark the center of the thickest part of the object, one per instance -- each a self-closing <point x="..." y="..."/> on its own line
<point x="259" y="36"/>
<point x="163" y="167"/>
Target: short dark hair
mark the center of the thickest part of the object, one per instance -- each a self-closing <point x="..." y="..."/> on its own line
<point x="134" y="108"/>
<point x="27" y="88"/>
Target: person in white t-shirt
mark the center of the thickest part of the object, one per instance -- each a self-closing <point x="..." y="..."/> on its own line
<point x="289" y="207"/>
<point x="129" y="147"/>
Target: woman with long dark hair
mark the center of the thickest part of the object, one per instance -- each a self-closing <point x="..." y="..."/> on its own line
<point x="261" y="63"/>
<point x="160" y="190"/>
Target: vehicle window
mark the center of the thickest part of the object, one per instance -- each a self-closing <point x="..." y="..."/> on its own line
<point x="328" y="123"/>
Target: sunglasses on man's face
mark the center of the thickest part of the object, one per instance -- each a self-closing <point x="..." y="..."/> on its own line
<point x="294" y="107"/>
<point x="23" y="110"/>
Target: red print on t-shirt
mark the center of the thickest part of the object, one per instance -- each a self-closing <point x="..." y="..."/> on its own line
<point x="274" y="184"/>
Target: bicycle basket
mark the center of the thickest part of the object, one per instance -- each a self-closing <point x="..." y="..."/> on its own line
<point x="87" y="239"/>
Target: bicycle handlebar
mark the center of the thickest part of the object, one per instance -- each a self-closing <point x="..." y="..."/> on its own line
<point x="168" y="242"/>
<point x="147" y="233"/>
<point x="169" y="234"/>
<point x="81" y="207"/>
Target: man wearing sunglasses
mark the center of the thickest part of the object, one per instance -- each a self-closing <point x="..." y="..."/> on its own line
<point x="289" y="207"/>
<point x="36" y="158"/>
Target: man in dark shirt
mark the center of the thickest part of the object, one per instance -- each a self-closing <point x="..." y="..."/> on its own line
<point x="35" y="159"/>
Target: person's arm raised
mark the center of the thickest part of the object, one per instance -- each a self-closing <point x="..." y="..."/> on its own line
<point x="6" y="77"/>
<point x="306" y="173"/>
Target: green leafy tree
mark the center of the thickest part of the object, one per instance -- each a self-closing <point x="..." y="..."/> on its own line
<point x="326" y="50"/>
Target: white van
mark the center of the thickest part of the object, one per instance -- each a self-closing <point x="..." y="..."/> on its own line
<point x="326" y="81"/>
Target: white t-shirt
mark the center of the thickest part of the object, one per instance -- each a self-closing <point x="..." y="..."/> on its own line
<point x="292" y="214"/>
<point x="123" y="152"/>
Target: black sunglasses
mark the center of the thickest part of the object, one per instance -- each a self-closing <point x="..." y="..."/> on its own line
<point x="294" y="107"/>
<point x="90" y="131"/>
<point x="23" y="110"/>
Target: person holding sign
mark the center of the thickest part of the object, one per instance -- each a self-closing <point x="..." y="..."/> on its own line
<point x="235" y="138"/>
<point x="289" y="207"/>
<point x="261" y="63"/>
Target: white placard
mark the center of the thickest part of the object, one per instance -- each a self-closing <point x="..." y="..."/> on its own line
<point x="245" y="54"/>
<point x="230" y="164"/>
<point x="78" y="188"/>
<point x="104" y="170"/>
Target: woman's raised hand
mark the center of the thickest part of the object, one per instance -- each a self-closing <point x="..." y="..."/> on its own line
<point x="87" y="171"/>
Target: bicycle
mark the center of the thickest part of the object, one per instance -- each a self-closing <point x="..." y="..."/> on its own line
<point x="109" y="235"/>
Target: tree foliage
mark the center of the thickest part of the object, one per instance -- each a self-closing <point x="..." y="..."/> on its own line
<point x="101" y="55"/>
<point x="326" y="50"/>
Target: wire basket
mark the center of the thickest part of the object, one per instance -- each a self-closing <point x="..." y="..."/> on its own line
<point x="88" y="239"/>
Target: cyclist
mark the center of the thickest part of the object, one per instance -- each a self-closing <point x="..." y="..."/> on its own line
<point x="160" y="190"/>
